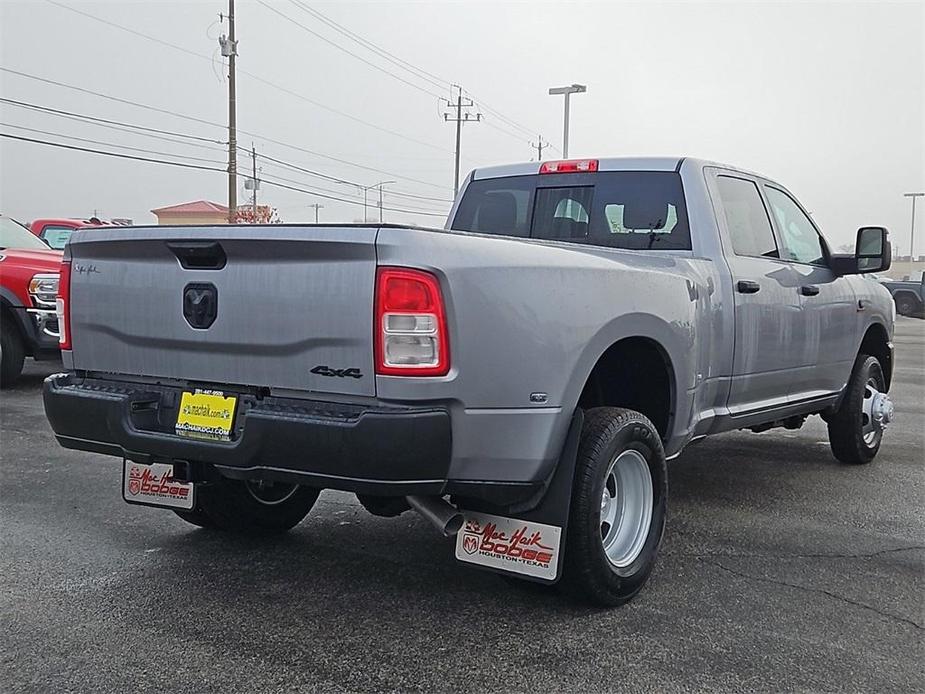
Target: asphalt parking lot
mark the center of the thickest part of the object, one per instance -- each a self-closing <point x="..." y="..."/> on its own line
<point x="781" y="570"/>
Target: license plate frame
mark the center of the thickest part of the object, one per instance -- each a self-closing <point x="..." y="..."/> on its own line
<point x="153" y="485"/>
<point x="206" y="414"/>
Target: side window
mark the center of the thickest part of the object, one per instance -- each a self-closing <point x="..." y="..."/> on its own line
<point x="746" y="218"/>
<point x="802" y="242"/>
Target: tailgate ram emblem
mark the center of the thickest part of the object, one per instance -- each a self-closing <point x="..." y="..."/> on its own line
<point x="200" y="304"/>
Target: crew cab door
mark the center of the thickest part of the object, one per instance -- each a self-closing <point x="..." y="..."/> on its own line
<point x="769" y="343"/>
<point x="829" y="306"/>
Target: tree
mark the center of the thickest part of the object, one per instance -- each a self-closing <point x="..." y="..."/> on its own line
<point x="265" y="215"/>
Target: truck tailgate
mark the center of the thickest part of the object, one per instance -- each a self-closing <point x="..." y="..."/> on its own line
<point x="287" y="301"/>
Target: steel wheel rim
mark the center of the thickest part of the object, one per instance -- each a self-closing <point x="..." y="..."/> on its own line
<point x="626" y="508"/>
<point x="269" y="493"/>
<point x="870" y="431"/>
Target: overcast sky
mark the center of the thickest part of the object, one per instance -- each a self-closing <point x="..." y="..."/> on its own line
<point x="827" y="98"/>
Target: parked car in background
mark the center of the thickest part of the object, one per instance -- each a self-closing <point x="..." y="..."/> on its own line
<point x="909" y="294"/>
<point x="56" y="231"/>
<point x="28" y="288"/>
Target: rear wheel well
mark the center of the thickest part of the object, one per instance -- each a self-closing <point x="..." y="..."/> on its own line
<point x="876" y="343"/>
<point x="906" y="293"/>
<point x="634" y="373"/>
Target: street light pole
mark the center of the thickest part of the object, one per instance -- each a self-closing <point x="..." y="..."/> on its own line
<point x="567" y="92"/>
<point x="379" y="185"/>
<point x="366" y="190"/>
<point x="912" y="230"/>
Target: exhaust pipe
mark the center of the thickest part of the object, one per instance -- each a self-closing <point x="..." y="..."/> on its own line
<point x="442" y="515"/>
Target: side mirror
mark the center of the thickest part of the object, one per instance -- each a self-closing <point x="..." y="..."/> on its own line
<point x="872" y="253"/>
<point x="873" y="250"/>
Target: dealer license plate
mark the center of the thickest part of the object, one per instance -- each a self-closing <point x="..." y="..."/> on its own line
<point x="154" y="485"/>
<point x="206" y="414"/>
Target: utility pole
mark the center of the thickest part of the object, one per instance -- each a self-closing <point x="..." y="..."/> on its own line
<point x="459" y="119"/>
<point x="567" y="91"/>
<point x="317" y="207"/>
<point x="254" y="179"/>
<point x="912" y="231"/>
<point x="539" y="147"/>
<point x="229" y="48"/>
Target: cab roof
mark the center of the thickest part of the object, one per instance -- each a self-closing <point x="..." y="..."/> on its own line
<point x="604" y="164"/>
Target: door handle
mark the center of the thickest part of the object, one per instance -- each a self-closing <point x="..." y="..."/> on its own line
<point x="747" y="287"/>
<point x="199" y="255"/>
<point x="809" y="290"/>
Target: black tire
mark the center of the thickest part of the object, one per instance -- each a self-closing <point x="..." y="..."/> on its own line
<point x="251" y="507"/>
<point x="906" y="305"/>
<point x="196" y="517"/>
<point x="12" y="353"/>
<point x="384" y="506"/>
<point x="846" y="425"/>
<point x="588" y="574"/>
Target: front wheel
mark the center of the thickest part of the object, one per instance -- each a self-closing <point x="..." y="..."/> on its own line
<point x="619" y="502"/>
<point x="12" y="353"/>
<point x="251" y="506"/>
<point x="856" y="427"/>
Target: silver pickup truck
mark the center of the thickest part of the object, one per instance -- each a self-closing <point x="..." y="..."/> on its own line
<point x="519" y="378"/>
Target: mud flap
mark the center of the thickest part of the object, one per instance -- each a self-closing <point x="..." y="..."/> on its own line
<point x="155" y="485"/>
<point x="532" y="545"/>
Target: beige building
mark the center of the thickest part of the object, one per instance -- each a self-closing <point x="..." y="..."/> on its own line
<point x="198" y="212"/>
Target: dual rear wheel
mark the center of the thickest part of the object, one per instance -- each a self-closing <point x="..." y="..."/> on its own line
<point x="250" y="506"/>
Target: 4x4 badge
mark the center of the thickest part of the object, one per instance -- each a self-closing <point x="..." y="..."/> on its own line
<point x="322" y="370"/>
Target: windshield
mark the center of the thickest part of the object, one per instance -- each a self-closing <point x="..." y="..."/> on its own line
<point x="15" y="235"/>
<point x="618" y="209"/>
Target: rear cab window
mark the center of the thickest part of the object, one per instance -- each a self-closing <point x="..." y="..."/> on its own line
<point x="637" y="210"/>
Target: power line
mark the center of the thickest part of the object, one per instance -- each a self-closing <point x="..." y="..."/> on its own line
<point x="251" y="75"/>
<point x="60" y="112"/>
<point x="110" y="154"/>
<point x="111" y="98"/>
<point x="108" y="144"/>
<point x="199" y="167"/>
<point x="118" y="126"/>
<point x="421" y="73"/>
<point x="216" y="125"/>
<point x="347" y="51"/>
<point x="344" y="181"/>
<point x="306" y="99"/>
<point x="369" y="45"/>
<point x="123" y="126"/>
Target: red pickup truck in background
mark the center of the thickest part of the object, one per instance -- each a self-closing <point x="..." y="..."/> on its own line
<point x="55" y="232"/>
<point x="28" y="288"/>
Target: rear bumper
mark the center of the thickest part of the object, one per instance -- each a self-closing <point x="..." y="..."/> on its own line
<point x="359" y="448"/>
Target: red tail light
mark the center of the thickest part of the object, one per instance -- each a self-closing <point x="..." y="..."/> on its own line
<point x="63" y="305"/>
<point x="569" y="166"/>
<point x="410" y="330"/>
